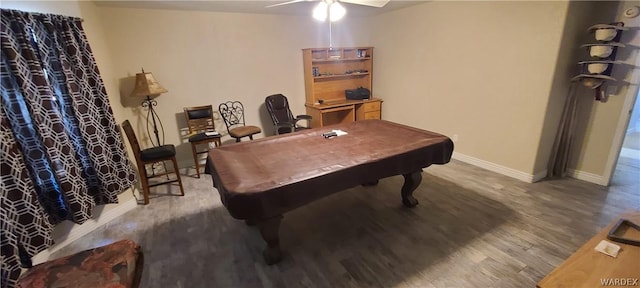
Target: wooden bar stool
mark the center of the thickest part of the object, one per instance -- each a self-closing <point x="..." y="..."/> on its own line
<point x="150" y="156"/>
<point x="202" y="130"/>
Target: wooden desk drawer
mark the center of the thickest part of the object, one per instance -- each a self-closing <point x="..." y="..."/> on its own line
<point x="371" y="106"/>
<point x="372" y="115"/>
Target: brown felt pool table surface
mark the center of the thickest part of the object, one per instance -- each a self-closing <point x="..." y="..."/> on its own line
<point x="267" y="177"/>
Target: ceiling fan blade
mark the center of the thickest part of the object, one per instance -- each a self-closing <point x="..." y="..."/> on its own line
<point x="288" y="2"/>
<point x="372" y="3"/>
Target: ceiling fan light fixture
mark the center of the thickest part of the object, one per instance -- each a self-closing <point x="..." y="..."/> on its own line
<point x="336" y="11"/>
<point x="320" y="12"/>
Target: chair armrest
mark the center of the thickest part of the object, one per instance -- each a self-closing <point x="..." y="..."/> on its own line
<point x="302" y="117"/>
<point x="291" y="126"/>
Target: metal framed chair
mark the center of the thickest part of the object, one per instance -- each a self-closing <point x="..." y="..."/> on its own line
<point x="278" y="108"/>
<point x="151" y="156"/>
<point x="232" y="113"/>
<point x="202" y="130"/>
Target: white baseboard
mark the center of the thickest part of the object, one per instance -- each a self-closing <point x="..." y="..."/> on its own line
<point x="539" y="176"/>
<point x="78" y="231"/>
<point x="589" y="177"/>
<point x="580" y="175"/>
<point x="513" y="173"/>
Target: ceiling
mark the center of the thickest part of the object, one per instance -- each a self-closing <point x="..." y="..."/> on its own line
<point x="258" y="7"/>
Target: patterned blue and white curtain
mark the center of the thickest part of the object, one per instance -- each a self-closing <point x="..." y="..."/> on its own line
<point x="62" y="152"/>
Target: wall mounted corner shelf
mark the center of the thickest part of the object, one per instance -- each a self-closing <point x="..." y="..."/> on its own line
<point x="613" y="44"/>
<point x="607" y="26"/>
<point x="593" y="76"/>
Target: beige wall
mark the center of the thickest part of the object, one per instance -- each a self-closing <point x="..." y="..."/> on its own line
<point x="479" y="70"/>
<point x="497" y="87"/>
<point x="580" y="16"/>
<point x="208" y="58"/>
<point x="494" y="74"/>
<point x="604" y="123"/>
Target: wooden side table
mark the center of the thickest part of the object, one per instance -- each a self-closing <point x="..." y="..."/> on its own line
<point x="590" y="268"/>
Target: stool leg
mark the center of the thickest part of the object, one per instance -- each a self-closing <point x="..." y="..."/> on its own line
<point x="195" y="158"/>
<point x="175" y="170"/>
<point x="144" y="182"/>
<point x="164" y="164"/>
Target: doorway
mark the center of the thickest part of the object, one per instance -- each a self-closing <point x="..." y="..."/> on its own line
<point x="627" y="170"/>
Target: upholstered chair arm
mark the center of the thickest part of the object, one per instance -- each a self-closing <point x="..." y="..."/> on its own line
<point x="290" y="126"/>
<point x="302" y="117"/>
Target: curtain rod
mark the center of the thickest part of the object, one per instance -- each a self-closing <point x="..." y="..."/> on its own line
<point x="39" y="14"/>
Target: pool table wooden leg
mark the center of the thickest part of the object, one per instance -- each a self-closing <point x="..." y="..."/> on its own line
<point x="269" y="230"/>
<point x="411" y="182"/>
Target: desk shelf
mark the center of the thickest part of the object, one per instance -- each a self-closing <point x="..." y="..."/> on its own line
<point x="326" y="80"/>
<point x="339" y="60"/>
<point x="337" y="76"/>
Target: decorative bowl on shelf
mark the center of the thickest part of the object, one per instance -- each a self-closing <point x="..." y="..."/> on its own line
<point x="605" y="34"/>
<point x="592" y="83"/>
<point x="597" y="68"/>
<point x="600" y="51"/>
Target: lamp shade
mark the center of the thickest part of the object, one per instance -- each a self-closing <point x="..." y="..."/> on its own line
<point x="146" y="85"/>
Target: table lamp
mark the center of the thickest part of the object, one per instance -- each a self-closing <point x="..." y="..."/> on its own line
<point x="146" y="86"/>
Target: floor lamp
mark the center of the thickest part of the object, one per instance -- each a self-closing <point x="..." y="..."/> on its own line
<point x="146" y="86"/>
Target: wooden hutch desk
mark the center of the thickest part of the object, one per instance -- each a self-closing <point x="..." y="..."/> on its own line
<point x="328" y="72"/>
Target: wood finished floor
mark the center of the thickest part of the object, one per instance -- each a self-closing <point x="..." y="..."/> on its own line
<point x="472" y="228"/>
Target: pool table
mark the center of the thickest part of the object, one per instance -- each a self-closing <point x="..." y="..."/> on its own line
<point x="260" y="180"/>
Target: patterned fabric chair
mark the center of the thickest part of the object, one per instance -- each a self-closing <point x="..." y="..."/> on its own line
<point x="117" y="265"/>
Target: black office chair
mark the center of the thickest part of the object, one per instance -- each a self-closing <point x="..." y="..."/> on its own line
<point x="281" y="115"/>
<point x="232" y="113"/>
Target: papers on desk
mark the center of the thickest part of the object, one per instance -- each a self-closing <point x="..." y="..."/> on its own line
<point x="608" y="248"/>
<point x="339" y="132"/>
<point x="212" y="133"/>
<point x="333" y="133"/>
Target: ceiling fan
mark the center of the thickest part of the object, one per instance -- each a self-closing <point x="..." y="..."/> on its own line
<point x="332" y="8"/>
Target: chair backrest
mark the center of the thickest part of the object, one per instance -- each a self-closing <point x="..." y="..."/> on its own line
<point x="232" y="113"/>
<point x="199" y="118"/>
<point x="135" y="146"/>
<point x="278" y="108"/>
